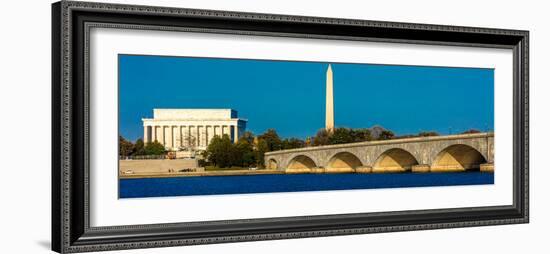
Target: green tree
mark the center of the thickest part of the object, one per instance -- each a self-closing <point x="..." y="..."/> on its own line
<point x="341" y="136"/>
<point x="249" y="159"/>
<point x="405" y="136"/>
<point x="428" y="134"/>
<point x="139" y="147"/>
<point x="321" y="138"/>
<point x="246" y="142"/>
<point x="248" y="136"/>
<point x="154" y="148"/>
<point x="470" y="131"/>
<point x="220" y="151"/>
<point x="241" y="153"/>
<point x="125" y="147"/>
<point x="362" y="135"/>
<point x="292" y="143"/>
<point x="272" y="140"/>
<point x="261" y="149"/>
<point x="203" y="162"/>
<point x="385" y="135"/>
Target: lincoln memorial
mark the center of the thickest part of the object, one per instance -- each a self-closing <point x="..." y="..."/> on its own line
<point x="179" y="129"/>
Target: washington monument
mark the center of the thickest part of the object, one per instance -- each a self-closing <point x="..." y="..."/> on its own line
<point x="329" y="109"/>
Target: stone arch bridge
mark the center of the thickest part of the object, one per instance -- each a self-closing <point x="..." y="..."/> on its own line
<point x="420" y="154"/>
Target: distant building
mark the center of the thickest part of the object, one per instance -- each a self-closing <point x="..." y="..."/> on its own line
<point x="191" y="129"/>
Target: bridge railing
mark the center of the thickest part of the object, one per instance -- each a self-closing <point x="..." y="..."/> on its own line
<point x="385" y="142"/>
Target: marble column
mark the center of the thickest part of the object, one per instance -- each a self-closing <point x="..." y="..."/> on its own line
<point x="178" y="136"/>
<point x="145" y="134"/>
<point x="192" y="135"/>
<point x="173" y="136"/>
<point x="228" y="131"/>
<point x="204" y="135"/>
<point x="224" y="129"/>
<point x="217" y="130"/>
<point x="169" y="137"/>
<point x="185" y="136"/>
<point x="235" y="133"/>
<point x="208" y="134"/>
<point x="173" y="139"/>
<point x="199" y="135"/>
<point x="161" y="135"/>
<point x="154" y="133"/>
<point x="189" y="136"/>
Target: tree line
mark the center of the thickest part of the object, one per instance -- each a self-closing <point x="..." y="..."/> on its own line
<point x="127" y="148"/>
<point x="249" y="150"/>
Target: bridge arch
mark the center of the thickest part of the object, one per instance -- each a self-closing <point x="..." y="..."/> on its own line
<point x="395" y="159"/>
<point x="272" y="164"/>
<point x="458" y="157"/>
<point x="344" y="160"/>
<point x="301" y="162"/>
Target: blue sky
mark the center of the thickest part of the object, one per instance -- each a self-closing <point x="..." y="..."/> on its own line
<point x="290" y="96"/>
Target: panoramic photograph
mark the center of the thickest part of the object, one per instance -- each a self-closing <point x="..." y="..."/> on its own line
<point x="215" y="126"/>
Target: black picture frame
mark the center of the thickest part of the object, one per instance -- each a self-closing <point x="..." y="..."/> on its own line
<point x="71" y="231"/>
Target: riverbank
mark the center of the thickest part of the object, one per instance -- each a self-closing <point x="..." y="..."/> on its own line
<point x="134" y="169"/>
<point x="201" y="173"/>
<point x="245" y="172"/>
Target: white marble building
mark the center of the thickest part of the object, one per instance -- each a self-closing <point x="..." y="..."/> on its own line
<point x="181" y="129"/>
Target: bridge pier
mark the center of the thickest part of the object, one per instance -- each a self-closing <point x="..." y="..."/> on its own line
<point x="297" y="171"/>
<point x="443" y="169"/>
<point x="487" y="167"/>
<point x="363" y="169"/>
<point x="339" y="170"/>
<point x="388" y="170"/>
<point x="318" y="170"/>
<point x="423" y="168"/>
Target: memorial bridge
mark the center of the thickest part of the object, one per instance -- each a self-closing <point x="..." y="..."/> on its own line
<point x="462" y="152"/>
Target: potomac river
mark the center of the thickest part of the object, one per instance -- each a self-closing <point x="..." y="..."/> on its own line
<point x="266" y="183"/>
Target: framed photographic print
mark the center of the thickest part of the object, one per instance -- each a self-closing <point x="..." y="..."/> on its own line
<point x="181" y="126"/>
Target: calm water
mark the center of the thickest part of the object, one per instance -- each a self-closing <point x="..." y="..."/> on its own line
<point x="210" y="185"/>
